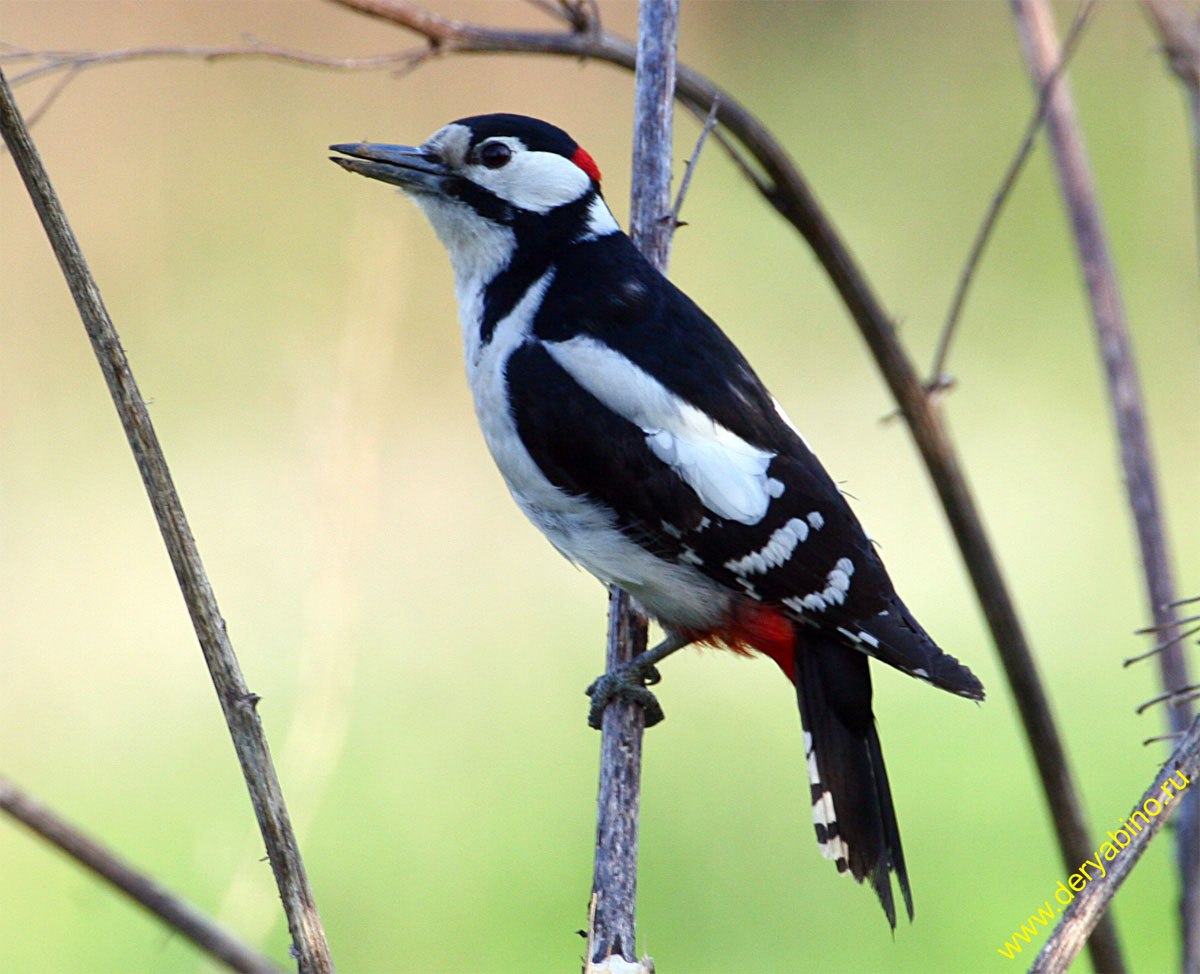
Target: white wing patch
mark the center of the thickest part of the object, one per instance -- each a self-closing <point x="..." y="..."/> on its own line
<point x="778" y="549"/>
<point x="727" y="473"/>
<point x="837" y="584"/>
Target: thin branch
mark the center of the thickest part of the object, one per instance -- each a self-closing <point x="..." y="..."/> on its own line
<point x="71" y="64"/>
<point x="937" y="375"/>
<point x="1181" y="694"/>
<point x="252" y="48"/>
<point x="613" y="928"/>
<point x="1081" y="915"/>
<point x="237" y="702"/>
<point x="1035" y="23"/>
<point x="1178" y="26"/>
<point x="689" y="167"/>
<point x="177" y="913"/>
<point x="1180" y="636"/>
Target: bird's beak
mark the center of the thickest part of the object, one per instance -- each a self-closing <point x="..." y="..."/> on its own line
<point x="405" y="166"/>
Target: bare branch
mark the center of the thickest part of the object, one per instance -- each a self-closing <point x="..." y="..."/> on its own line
<point x="689" y="167"/>
<point x="613" y="928"/>
<point x="253" y="48"/>
<point x="1179" y="636"/>
<point x="1177" y="696"/>
<point x="237" y="702"/>
<point x="1036" y="26"/>
<point x="1082" y="914"/>
<point x="1178" y="26"/>
<point x="177" y="913"/>
<point x="937" y="375"/>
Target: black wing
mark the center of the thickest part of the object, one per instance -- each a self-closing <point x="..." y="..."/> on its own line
<point x="807" y="552"/>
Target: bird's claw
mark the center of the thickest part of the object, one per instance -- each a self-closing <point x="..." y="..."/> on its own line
<point x="629" y="683"/>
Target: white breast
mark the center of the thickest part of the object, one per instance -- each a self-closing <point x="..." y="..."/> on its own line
<point x="582" y="530"/>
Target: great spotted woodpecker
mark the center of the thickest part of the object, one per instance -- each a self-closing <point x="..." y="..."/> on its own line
<point x="637" y="437"/>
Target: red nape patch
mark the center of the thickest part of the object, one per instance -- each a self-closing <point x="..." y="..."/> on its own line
<point x="587" y="164"/>
<point x="755" y="626"/>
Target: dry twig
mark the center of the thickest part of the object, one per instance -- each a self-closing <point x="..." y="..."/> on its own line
<point x="613" y="929"/>
<point x="1178" y="26"/>
<point x="180" y="915"/>
<point x="1035" y="24"/>
<point x="237" y="702"/>
<point x="1081" y="916"/>
<point x="938" y="379"/>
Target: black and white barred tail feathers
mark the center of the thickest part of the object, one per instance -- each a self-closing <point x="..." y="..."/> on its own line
<point x="853" y="814"/>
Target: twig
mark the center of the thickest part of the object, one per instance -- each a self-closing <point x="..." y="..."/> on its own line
<point x="613" y="928"/>
<point x="1180" y="636"/>
<point x="252" y="47"/>
<point x="178" y="914"/>
<point x="237" y="702"/>
<point x="1035" y="24"/>
<point x="1181" y="694"/>
<point x="1082" y="914"/>
<point x="689" y="167"/>
<point x="937" y="375"/>
<point x="1178" y="26"/>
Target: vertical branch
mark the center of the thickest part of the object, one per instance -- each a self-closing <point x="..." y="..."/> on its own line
<point x="1036" y="26"/>
<point x="614" y="884"/>
<point x="650" y="225"/>
<point x="612" y="928"/>
<point x="237" y="702"/>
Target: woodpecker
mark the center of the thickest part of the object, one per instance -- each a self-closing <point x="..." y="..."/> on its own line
<point x="635" y="435"/>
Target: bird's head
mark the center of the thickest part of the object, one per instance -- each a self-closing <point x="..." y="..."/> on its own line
<point x="491" y="182"/>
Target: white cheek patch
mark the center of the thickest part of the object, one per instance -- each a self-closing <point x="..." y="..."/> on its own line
<point x="534" y="181"/>
<point x="728" y="474"/>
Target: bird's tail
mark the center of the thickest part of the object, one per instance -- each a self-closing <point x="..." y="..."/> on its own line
<point x="852" y="803"/>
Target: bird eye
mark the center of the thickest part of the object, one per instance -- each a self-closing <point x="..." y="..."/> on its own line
<point x="493" y="155"/>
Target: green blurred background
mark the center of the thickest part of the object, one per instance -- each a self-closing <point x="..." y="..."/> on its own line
<point x="420" y="651"/>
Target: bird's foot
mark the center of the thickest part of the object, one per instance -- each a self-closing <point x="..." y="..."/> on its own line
<point x="628" y="682"/>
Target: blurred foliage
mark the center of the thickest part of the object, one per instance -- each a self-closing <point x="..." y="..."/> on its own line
<point x="421" y="653"/>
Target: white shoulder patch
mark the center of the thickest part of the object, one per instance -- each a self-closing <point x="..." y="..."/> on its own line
<point x="728" y="474"/>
